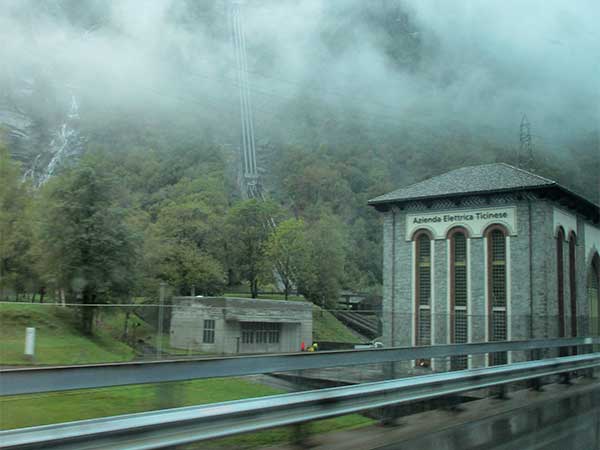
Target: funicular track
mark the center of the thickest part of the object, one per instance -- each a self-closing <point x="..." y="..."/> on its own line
<point x="365" y="324"/>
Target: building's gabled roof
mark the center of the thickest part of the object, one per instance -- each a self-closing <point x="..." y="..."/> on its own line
<point x="466" y="180"/>
<point x="482" y="179"/>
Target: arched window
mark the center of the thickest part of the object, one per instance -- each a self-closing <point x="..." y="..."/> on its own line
<point x="497" y="289"/>
<point x="459" y="326"/>
<point x="423" y="289"/>
<point x="573" y="282"/>
<point x="560" y="271"/>
<point x="593" y="283"/>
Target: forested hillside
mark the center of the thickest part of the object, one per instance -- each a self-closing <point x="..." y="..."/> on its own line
<point x="121" y="129"/>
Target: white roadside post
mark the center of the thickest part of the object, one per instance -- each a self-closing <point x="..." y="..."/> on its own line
<point x="30" y="342"/>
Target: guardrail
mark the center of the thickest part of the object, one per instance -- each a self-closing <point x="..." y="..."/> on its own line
<point x="177" y="426"/>
<point x="62" y="378"/>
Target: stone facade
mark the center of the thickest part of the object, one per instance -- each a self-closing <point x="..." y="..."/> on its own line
<point x="290" y="321"/>
<point x="532" y="286"/>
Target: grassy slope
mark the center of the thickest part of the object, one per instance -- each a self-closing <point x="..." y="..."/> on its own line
<point x="112" y="321"/>
<point x="327" y="328"/>
<point x="58" y="340"/>
<point x="38" y="409"/>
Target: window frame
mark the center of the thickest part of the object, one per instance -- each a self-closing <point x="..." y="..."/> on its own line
<point x="263" y="333"/>
<point x="208" y="332"/>
<point x="459" y="362"/>
<point x="417" y="298"/>
<point x="593" y="282"/>
<point x="573" y="281"/>
<point x="491" y="309"/>
<point x="560" y="280"/>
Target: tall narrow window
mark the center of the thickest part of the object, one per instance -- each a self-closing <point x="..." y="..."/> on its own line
<point x="423" y="291"/>
<point x="573" y="284"/>
<point x="497" y="291"/>
<point x="593" y="283"/>
<point x="560" y="237"/>
<point x="458" y="295"/>
<point x="208" y="335"/>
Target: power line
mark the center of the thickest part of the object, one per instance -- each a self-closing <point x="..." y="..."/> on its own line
<point x="250" y="170"/>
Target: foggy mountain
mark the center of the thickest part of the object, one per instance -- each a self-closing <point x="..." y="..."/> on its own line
<point x="426" y="85"/>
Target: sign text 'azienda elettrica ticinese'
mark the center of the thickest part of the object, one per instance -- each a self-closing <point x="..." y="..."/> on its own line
<point x="475" y="221"/>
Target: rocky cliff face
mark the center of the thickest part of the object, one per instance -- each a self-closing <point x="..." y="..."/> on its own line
<point x="15" y="121"/>
<point x="43" y="143"/>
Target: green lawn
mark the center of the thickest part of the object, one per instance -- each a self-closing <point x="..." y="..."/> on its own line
<point x="58" y="341"/>
<point x="39" y="409"/>
<point x="30" y="410"/>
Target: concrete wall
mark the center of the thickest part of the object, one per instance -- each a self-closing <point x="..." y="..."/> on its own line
<point x="187" y="324"/>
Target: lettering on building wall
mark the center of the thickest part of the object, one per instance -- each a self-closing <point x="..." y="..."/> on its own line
<point x="446" y="218"/>
<point x="475" y="221"/>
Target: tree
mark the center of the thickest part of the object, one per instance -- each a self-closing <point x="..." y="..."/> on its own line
<point x="287" y="248"/>
<point x="15" y="232"/>
<point x="321" y="270"/>
<point x="183" y="246"/>
<point x="248" y="232"/>
<point x="181" y="265"/>
<point x="86" y="244"/>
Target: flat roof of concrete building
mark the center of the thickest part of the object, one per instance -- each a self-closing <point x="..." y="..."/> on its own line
<point x="241" y="302"/>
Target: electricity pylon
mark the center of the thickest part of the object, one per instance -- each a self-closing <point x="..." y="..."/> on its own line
<point x="525" y="156"/>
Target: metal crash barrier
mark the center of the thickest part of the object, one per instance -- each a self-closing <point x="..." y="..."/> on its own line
<point x="177" y="426"/>
<point x="48" y="379"/>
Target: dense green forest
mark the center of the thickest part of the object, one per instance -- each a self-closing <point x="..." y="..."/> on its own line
<point x="116" y="223"/>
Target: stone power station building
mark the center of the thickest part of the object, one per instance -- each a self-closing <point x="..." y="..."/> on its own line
<point x="240" y="325"/>
<point x="488" y="253"/>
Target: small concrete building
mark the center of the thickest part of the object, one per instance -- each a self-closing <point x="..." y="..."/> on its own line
<point x="228" y="325"/>
<point x="488" y="253"/>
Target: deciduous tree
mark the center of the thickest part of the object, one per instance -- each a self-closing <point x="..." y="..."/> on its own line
<point x="287" y="248"/>
<point x="85" y="240"/>
<point x="16" y="271"/>
<point x="321" y="272"/>
<point x="248" y="231"/>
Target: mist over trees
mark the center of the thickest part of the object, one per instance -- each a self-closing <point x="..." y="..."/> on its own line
<point x="429" y="84"/>
<point x="351" y="99"/>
